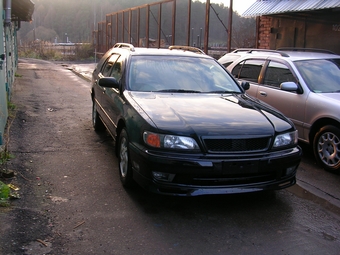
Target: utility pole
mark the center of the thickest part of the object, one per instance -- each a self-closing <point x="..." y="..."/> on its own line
<point x="206" y="32"/>
<point x="189" y="22"/>
<point x="230" y="24"/>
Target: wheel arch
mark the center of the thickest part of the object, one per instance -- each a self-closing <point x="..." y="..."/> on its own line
<point x="317" y="125"/>
<point x="92" y="93"/>
<point x="121" y="124"/>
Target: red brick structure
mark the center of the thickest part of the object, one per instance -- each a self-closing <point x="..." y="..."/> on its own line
<point x="263" y="33"/>
<point x="299" y="24"/>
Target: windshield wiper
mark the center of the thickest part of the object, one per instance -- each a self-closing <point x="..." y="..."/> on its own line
<point x="179" y="91"/>
<point x="224" y="92"/>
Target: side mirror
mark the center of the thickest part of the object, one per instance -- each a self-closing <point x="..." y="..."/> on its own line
<point x="245" y="85"/>
<point x="108" y="82"/>
<point x="289" y="86"/>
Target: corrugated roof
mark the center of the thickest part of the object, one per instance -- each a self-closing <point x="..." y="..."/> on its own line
<point x="266" y="7"/>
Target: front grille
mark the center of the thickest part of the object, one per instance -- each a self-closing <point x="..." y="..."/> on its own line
<point x="237" y="144"/>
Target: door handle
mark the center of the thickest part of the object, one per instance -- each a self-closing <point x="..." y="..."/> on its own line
<point x="262" y="93"/>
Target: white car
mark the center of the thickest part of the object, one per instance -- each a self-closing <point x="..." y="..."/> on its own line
<point x="304" y="84"/>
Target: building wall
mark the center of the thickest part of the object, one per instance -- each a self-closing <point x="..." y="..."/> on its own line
<point x="8" y="67"/>
<point x="301" y="30"/>
<point x="264" y="32"/>
<point x="3" y="96"/>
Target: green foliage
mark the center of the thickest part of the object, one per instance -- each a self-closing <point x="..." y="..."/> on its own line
<point x="11" y="106"/>
<point x="4" y="194"/>
<point x="5" y="156"/>
<point x="11" y="109"/>
<point x="26" y="52"/>
<point x="84" y="51"/>
<point x="44" y="50"/>
<point x="42" y="33"/>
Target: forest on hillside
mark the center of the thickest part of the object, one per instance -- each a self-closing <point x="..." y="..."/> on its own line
<point x="65" y="20"/>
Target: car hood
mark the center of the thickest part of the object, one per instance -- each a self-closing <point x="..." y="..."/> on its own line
<point x="209" y="114"/>
<point x="330" y="96"/>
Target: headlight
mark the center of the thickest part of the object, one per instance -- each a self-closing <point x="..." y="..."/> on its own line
<point x="286" y="139"/>
<point x="170" y="141"/>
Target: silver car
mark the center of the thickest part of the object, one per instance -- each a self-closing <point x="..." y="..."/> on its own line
<point x="303" y="84"/>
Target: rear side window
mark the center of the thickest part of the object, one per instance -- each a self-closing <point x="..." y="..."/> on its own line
<point x="117" y="69"/>
<point x="277" y="73"/>
<point x="248" y="70"/>
<point x="113" y="67"/>
<point x="107" y="68"/>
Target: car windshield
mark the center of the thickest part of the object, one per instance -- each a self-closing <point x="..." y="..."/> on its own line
<point x="179" y="75"/>
<point x="321" y="75"/>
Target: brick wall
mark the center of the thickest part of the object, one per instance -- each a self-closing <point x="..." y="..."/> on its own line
<point x="264" y="32"/>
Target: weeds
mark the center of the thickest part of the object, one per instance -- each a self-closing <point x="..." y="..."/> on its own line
<point x="5" y="156"/>
<point x="11" y="106"/>
<point x="46" y="51"/>
<point x="4" y="194"/>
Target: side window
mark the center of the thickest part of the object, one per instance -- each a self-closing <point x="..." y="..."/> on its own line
<point x="250" y="70"/>
<point x="107" y="67"/>
<point x="117" y="69"/>
<point x="277" y="73"/>
<point x="236" y="70"/>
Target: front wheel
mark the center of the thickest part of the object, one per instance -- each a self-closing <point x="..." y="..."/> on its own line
<point x="125" y="169"/>
<point x="326" y="147"/>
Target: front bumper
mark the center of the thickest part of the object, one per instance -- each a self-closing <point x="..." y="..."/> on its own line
<point x="193" y="175"/>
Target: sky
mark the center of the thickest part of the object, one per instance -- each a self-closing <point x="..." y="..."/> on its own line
<point x="239" y="6"/>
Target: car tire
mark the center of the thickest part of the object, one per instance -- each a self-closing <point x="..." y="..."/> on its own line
<point x="125" y="169"/>
<point x="326" y="147"/>
<point x="97" y="123"/>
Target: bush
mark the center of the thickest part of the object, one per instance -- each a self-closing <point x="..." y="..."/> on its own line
<point x="49" y="51"/>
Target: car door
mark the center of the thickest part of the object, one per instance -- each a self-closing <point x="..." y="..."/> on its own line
<point x="112" y="98"/>
<point x="290" y="103"/>
<point x="103" y="95"/>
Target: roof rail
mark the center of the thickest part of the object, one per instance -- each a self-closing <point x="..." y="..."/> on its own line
<point x="251" y="50"/>
<point x="186" y="48"/>
<point x="124" y="45"/>
<point x="306" y="50"/>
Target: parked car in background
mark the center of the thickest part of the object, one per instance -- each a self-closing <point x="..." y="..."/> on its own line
<point x="304" y="84"/>
<point x="183" y="126"/>
<point x="229" y="58"/>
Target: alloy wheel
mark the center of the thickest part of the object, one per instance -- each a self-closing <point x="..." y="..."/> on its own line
<point x="329" y="149"/>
